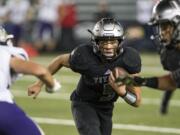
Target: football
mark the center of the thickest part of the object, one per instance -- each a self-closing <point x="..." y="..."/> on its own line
<point x="122" y="77"/>
<point x="119" y="72"/>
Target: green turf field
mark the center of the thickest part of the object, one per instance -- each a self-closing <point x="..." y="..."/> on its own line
<point x="53" y="113"/>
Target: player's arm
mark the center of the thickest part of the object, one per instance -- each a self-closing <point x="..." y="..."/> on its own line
<point x="136" y="94"/>
<point x="165" y="82"/>
<point x="130" y="94"/>
<point x="56" y="64"/>
<point x="30" y="68"/>
<point x="59" y="62"/>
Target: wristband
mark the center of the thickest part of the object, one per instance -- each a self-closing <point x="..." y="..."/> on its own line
<point x="151" y="82"/>
<point x="129" y="97"/>
<point x="56" y="87"/>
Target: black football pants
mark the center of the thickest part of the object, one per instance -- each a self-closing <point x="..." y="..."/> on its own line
<point x="92" y="119"/>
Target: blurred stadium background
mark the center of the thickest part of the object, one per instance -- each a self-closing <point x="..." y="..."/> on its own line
<point x="60" y="25"/>
<point x="26" y="19"/>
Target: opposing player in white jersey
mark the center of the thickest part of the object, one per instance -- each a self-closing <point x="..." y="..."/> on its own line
<point x="14" y="61"/>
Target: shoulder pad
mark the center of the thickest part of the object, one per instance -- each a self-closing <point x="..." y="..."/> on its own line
<point x="19" y="52"/>
<point x="78" y="59"/>
<point x="132" y="60"/>
<point x="169" y="59"/>
<point x="16" y="51"/>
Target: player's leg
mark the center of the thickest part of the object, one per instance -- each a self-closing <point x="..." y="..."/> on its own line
<point x="168" y="94"/>
<point x="15" y="122"/>
<point x="105" y="115"/>
<point x="165" y="102"/>
<point x="86" y="118"/>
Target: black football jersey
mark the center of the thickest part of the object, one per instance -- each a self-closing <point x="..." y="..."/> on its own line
<point x="170" y="58"/>
<point x="93" y="84"/>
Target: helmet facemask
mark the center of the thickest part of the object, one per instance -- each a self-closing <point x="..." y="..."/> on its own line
<point x="109" y="48"/>
<point x="165" y="32"/>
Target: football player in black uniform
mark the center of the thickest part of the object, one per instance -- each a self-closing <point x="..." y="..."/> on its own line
<point x="166" y="21"/>
<point x="169" y="55"/>
<point x="93" y="99"/>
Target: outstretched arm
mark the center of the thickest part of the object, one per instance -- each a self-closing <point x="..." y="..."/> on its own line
<point x="165" y="82"/>
<point x="31" y="68"/>
<point x="54" y="66"/>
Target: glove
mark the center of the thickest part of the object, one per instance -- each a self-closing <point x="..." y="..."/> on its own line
<point x="125" y="80"/>
<point x="130" y="81"/>
<point x="57" y="87"/>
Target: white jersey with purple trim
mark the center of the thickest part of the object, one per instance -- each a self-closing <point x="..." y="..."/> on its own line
<point x="7" y="76"/>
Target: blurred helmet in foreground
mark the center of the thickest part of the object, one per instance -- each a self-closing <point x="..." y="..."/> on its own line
<point x="166" y="14"/>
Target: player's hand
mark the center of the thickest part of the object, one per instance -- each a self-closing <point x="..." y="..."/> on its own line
<point x="120" y="89"/>
<point x="34" y="90"/>
<point x="122" y="77"/>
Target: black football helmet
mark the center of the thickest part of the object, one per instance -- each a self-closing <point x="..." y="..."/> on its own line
<point x="107" y="29"/>
<point x="167" y="12"/>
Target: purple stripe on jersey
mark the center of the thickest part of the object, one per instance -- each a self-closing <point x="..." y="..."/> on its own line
<point x="13" y="121"/>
